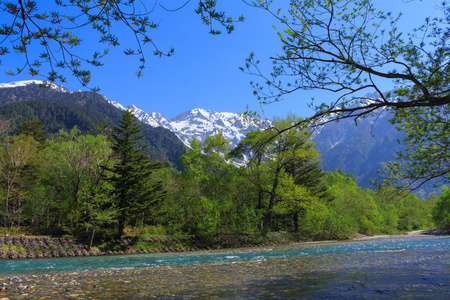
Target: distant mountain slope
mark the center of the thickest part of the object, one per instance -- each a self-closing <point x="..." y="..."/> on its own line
<point x="358" y="149"/>
<point x="58" y="108"/>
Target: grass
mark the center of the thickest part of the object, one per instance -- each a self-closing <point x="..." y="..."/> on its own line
<point x="145" y="231"/>
<point x="18" y="231"/>
<point x="13" y="249"/>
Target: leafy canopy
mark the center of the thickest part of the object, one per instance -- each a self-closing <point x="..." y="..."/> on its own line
<point x="350" y="48"/>
<point x="56" y="28"/>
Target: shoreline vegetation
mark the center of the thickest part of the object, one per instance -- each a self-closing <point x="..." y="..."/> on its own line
<point x="93" y="194"/>
<point x="25" y="247"/>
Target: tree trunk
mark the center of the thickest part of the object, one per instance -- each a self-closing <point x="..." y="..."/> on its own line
<point x="92" y="237"/>
<point x="295" y="221"/>
<point x="273" y="193"/>
<point x="121" y="226"/>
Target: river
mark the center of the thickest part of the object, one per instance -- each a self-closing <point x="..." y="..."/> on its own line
<point x="411" y="266"/>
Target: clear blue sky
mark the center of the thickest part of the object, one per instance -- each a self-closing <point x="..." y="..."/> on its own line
<point x="204" y="70"/>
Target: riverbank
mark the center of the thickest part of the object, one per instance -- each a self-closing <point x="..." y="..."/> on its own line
<point x="22" y="247"/>
<point x="413" y="233"/>
<point x="345" y="270"/>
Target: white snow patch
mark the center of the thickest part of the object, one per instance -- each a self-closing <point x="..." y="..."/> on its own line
<point x="23" y="83"/>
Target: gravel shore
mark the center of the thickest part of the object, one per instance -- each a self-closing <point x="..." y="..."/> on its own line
<point x="160" y="282"/>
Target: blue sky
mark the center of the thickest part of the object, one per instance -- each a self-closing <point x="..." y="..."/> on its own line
<point x="204" y="72"/>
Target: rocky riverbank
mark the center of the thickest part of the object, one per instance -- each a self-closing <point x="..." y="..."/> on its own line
<point x="412" y="273"/>
<point x="21" y="247"/>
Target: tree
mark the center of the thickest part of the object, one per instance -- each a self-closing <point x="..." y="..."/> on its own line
<point x="425" y="159"/>
<point x="72" y="181"/>
<point x="57" y="29"/>
<point x="441" y="211"/>
<point x="205" y="203"/>
<point x="133" y="188"/>
<point x="348" y="48"/>
<point x="5" y="125"/>
<point x="279" y="158"/>
<point x="36" y="129"/>
<point x="16" y="154"/>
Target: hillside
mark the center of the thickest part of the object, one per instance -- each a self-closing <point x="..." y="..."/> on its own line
<point x="58" y="108"/>
<point x="357" y="149"/>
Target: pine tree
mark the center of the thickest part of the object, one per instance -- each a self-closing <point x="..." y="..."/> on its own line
<point x="35" y="129"/>
<point x="133" y="187"/>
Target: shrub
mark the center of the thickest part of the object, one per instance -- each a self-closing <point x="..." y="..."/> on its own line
<point x="441" y="211"/>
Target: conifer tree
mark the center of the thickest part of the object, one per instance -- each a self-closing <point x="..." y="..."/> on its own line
<point x="133" y="188"/>
<point x="35" y="129"/>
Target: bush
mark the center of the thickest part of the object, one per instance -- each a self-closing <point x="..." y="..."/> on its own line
<point x="441" y="211"/>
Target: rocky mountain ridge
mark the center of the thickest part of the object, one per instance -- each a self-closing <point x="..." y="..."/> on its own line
<point x="359" y="150"/>
<point x="59" y="108"/>
<point x="198" y="123"/>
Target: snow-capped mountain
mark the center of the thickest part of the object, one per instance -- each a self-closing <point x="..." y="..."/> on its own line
<point x="359" y="150"/>
<point x="53" y="86"/>
<point x="198" y="123"/>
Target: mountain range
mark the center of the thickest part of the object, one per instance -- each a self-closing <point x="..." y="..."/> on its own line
<point x="359" y="150"/>
<point x="198" y="123"/>
<point x="58" y="108"/>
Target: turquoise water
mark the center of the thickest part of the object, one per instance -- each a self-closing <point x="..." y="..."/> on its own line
<point x="365" y="249"/>
<point x="400" y="267"/>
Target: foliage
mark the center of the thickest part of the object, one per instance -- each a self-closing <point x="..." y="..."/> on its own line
<point x="282" y="166"/>
<point x="18" y="166"/>
<point x="350" y="47"/>
<point x="90" y="186"/>
<point x="133" y="190"/>
<point x="345" y="46"/>
<point x="56" y="110"/>
<point x="425" y="133"/>
<point x="441" y="211"/>
<point x="35" y="129"/>
<point x="56" y="30"/>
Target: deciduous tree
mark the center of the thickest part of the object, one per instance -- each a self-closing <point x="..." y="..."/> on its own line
<point x="15" y="154"/>
<point x="350" y="48"/>
<point x="57" y="29"/>
<point x="441" y="211"/>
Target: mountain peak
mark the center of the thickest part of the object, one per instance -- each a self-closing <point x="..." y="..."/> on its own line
<point x="197" y="123"/>
<point x="23" y="83"/>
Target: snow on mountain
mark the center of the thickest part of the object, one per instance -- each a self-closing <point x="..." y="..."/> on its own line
<point x="153" y="119"/>
<point x="115" y="104"/>
<point x="199" y="123"/>
<point x="51" y="85"/>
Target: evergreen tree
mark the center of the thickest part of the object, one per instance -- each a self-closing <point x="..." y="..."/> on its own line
<point x="35" y="129"/>
<point x="133" y="187"/>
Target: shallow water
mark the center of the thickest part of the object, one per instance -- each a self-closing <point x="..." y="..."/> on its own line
<point x="395" y="267"/>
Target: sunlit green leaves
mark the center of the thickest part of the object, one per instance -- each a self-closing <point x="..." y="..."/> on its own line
<point x="426" y="157"/>
<point x="346" y="47"/>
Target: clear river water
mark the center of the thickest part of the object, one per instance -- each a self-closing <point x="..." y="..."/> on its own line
<point x="389" y="267"/>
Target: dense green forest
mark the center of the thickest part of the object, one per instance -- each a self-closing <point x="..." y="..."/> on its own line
<point x="63" y="110"/>
<point x="102" y="183"/>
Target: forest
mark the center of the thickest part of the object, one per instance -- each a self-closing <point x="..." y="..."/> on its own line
<point x="101" y="183"/>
